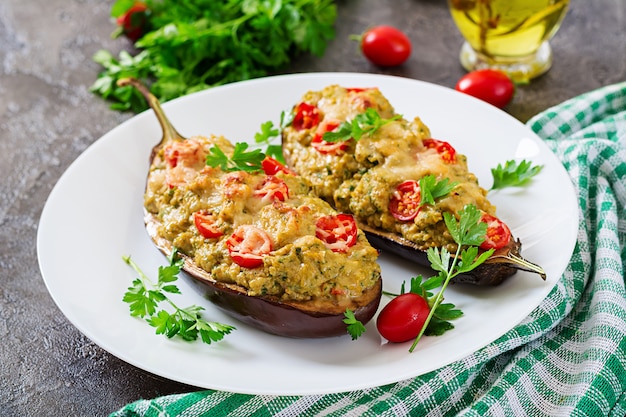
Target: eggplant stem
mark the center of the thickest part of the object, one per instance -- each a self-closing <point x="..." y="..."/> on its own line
<point x="169" y="132"/>
<point x="519" y="263"/>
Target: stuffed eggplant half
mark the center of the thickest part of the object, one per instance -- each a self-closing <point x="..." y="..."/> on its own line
<point x="393" y="176"/>
<point x="269" y="253"/>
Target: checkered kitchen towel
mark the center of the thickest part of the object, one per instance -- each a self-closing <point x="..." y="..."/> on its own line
<point x="568" y="358"/>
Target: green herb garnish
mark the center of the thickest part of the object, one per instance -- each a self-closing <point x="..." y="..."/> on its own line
<point x="513" y="174"/>
<point x="431" y="189"/>
<point x="363" y="124"/>
<point x="145" y="296"/>
<point x="191" y="45"/>
<point x="241" y="160"/>
<point x="269" y="133"/>
<point x="468" y="233"/>
<point x="354" y="327"/>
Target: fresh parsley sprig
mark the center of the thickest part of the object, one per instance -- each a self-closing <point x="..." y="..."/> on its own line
<point x="241" y="159"/>
<point x="269" y="133"/>
<point x="145" y="296"/>
<point x="431" y="189"/>
<point x="468" y="233"/>
<point x="354" y="326"/>
<point x="514" y="174"/>
<point x="365" y="123"/>
<point x="189" y="45"/>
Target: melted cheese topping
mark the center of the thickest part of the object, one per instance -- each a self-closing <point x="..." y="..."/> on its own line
<point x="299" y="266"/>
<point x="362" y="179"/>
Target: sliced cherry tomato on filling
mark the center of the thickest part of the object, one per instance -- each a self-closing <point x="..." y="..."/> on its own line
<point x="402" y="318"/>
<point x="325" y="147"/>
<point x="498" y="233"/>
<point x="272" y="166"/>
<point x="444" y="149"/>
<point x="271" y="189"/>
<point x="186" y="152"/>
<point x="338" y="232"/>
<point x="206" y="224"/>
<point x="307" y="116"/>
<point x="248" y="245"/>
<point x="405" y="201"/>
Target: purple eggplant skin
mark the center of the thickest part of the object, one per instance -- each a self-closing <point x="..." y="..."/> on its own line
<point x="282" y="319"/>
<point x="501" y="265"/>
<point x="304" y="319"/>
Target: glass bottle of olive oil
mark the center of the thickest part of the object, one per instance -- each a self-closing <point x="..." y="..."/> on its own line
<point x="506" y="32"/>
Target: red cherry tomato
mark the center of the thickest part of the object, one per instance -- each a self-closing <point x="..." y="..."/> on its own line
<point x="248" y="245"/>
<point x="307" y="116"/>
<point x="447" y="152"/>
<point x="492" y="86"/>
<point x="272" y="166"/>
<point x="385" y="46"/>
<point x="337" y="232"/>
<point x="403" y="318"/>
<point x="325" y="147"/>
<point x="133" y="22"/>
<point x="405" y="201"/>
<point x="272" y="189"/>
<point x="206" y="224"/>
<point x="498" y="233"/>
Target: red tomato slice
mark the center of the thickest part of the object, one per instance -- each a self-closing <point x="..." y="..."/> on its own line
<point x="271" y="189"/>
<point x="405" y="201"/>
<point x="338" y="232"/>
<point x="325" y="147"/>
<point x="307" y="116"/>
<point x="206" y="224"/>
<point x="498" y="233"/>
<point x="182" y="152"/>
<point x="248" y="245"/>
<point x="403" y="318"/>
<point x="447" y="152"/>
<point x="272" y="166"/>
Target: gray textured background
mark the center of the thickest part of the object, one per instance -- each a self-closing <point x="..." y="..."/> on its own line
<point x="48" y="117"/>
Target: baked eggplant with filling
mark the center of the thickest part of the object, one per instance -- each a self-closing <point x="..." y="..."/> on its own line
<point x="374" y="164"/>
<point x="269" y="253"/>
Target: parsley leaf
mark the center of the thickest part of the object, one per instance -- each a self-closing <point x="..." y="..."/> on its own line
<point x="513" y="174"/>
<point x="144" y="297"/>
<point x="365" y="123"/>
<point x="431" y="189"/>
<point x="354" y="327"/>
<point x="241" y="159"/>
<point x="269" y="133"/>
<point x="468" y="232"/>
<point x="194" y="45"/>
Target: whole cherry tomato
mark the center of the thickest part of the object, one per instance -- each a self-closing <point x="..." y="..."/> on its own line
<point x="498" y="233"/>
<point x="248" y="245"/>
<point x="403" y="318"/>
<point x="133" y="22"/>
<point x="492" y="86"/>
<point x="385" y="46"/>
<point x="337" y="232"/>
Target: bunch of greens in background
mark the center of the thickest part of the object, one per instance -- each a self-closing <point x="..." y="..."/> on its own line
<point x="184" y="46"/>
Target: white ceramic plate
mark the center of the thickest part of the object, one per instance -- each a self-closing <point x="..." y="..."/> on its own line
<point x="94" y="216"/>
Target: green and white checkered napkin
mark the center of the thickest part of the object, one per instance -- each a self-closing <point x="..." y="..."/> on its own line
<point x="568" y="358"/>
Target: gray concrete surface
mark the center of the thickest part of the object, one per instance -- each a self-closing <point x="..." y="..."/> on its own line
<point x="48" y="117"/>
